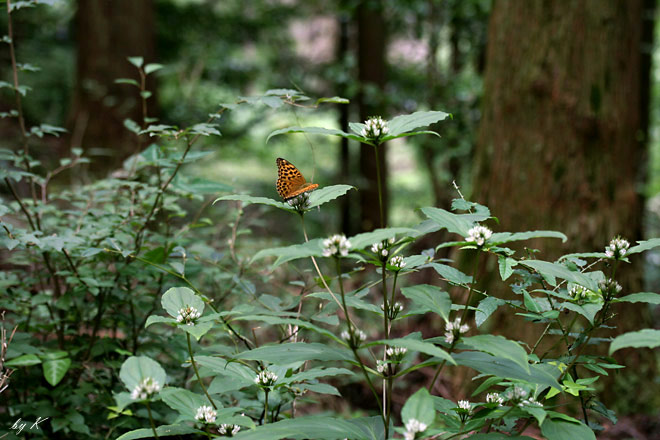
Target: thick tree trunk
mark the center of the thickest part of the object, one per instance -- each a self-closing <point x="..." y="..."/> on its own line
<point x="108" y="32"/>
<point x="371" y="72"/>
<point x="561" y="144"/>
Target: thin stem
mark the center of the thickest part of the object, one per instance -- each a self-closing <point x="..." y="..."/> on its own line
<point x="380" y="190"/>
<point x="151" y="419"/>
<point x="316" y="266"/>
<point x="199" y="379"/>
<point x="474" y="281"/>
<point x="266" y="405"/>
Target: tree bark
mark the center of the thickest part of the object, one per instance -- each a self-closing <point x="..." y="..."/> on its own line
<point x="371" y="102"/>
<point x="109" y="31"/>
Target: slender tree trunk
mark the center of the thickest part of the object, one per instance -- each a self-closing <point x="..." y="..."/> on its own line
<point x="109" y="31"/>
<point x="371" y="72"/>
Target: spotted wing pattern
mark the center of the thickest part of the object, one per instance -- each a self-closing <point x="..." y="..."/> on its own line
<point x="290" y="182"/>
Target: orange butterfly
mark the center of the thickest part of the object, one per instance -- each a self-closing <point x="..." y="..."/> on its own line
<point x="290" y="182"/>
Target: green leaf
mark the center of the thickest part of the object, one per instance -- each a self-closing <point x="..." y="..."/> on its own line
<point x="419" y="406"/>
<point x="176" y="298"/>
<point x="500" y="347"/>
<point x="54" y="370"/>
<point x="315" y="130"/>
<point x="162" y="431"/>
<point x="152" y="67"/>
<point x="296" y="352"/>
<point x="155" y="319"/>
<point x="198" y="330"/>
<point x="644" y="245"/>
<point x="430" y="297"/>
<point x="314" y="427"/>
<point x="137" y="368"/>
<point x="333" y="100"/>
<point x="136" y="61"/>
<point x="274" y="320"/>
<point x="507" y="237"/>
<point x="315" y="373"/>
<point x="198" y="185"/>
<point x="326" y="194"/>
<point x="496" y="436"/>
<point x="587" y="310"/>
<point x="247" y="200"/>
<point x="23" y="361"/>
<point x="405" y="123"/>
<point x="185" y="401"/>
<point x="645" y="297"/>
<point x="500" y="367"/>
<point x="360" y="241"/>
<point x="553" y="429"/>
<point x="416" y="345"/>
<point x="457" y="223"/>
<point x="486" y="308"/>
<point x="127" y="81"/>
<point x="452" y="275"/>
<point x="506" y="265"/>
<point x="550" y="271"/>
<point x="644" y="338"/>
<point x="294" y="252"/>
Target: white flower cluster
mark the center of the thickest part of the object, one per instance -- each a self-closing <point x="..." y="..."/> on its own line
<point x="145" y="389"/>
<point x="188" y="315"/>
<point x="398" y="262"/>
<point x="479" y="235"/>
<point x="465" y="405"/>
<point x="228" y="429"/>
<point x="413" y="426"/>
<point x="266" y="378"/>
<point x="617" y="248"/>
<point x="337" y="245"/>
<point x="516" y="393"/>
<point x="578" y="293"/>
<point x="360" y="337"/>
<point x="299" y="202"/>
<point x="530" y="402"/>
<point x="381" y="366"/>
<point x="494" y="398"/>
<point x="394" y="311"/>
<point x="454" y="329"/>
<point x="374" y="128"/>
<point x="206" y="414"/>
<point x="396" y="353"/>
<point x="608" y="288"/>
<point x="380" y="249"/>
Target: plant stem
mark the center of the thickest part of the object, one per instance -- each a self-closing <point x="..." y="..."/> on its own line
<point x="151" y="419"/>
<point x="199" y="379"/>
<point x="474" y="281"/>
<point x="266" y="405"/>
<point x="380" y="190"/>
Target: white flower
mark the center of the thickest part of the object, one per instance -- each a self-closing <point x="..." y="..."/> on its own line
<point x="265" y="378"/>
<point x="531" y="402"/>
<point x="465" y="405"/>
<point x="479" y="235"/>
<point x="374" y="128"/>
<point x="609" y="288"/>
<point x="617" y="248"/>
<point x="380" y="249"/>
<point x="226" y="428"/>
<point x="206" y="414"/>
<point x="299" y="202"/>
<point x="359" y="335"/>
<point x="494" y="398"/>
<point x="188" y="314"/>
<point x="398" y="262"/>
<point x="453" y="329"/>
<point x="413" y="426"/>
<point x="145" y="389"/>
<point x="337" y="245"/>
<point x="345" y="335"/>
<point x="381" y="366"/>
<point x="516" y="394"/>
<point x="396" y="353"/>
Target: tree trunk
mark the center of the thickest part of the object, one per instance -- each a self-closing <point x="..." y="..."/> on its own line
<point x="562" y="141"/>
<point x="109" y="31"/>
<point x="371" y="72"/>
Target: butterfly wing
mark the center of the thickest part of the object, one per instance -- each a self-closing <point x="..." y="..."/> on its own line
<point x="290" y="182"/>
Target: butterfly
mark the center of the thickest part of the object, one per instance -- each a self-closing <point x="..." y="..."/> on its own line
<point x="290" y="182"/>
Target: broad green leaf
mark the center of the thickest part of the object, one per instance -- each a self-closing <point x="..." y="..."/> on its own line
<point x="315" y="130"/>
<point x="416" y="345"/>
<point x="198" y="330"/>
<point x="553" y="270"/>
<point x="506" y="265"/>
<point x="294" y="252"/>
<point x="315" y="373"/>
<point x="645" y="297"/>
<point x="162" y="431"/>
<point x="553" y="429"/>
<point x="500" y="347"/>
<point x="644" y="338"/>
<point x="186" y="402"/>
<point x="319" y="388"/>
<point x="486" y="308"/>
<point x="326" y="194"/>
<point x="500" y="367"/>
<point x="295" y="352"/>
<point x="644" y="245"/>
<point x="247" y="200"/>
<point x="312" y="427"/>
<point x="405" y="123"/>
<point x="23" y="361"/>
<point x="451" y="274"/>
<point x="351" y="301"/>
<point x="507" y="237"/>
<point x="274" y="320"/>
<point x="152" y="67"/>
<point x="176" y="298"/>
<point x="137" y="368"/>
<point x="429" y="297"/>
<point x="136" y="61"/>
<point x="457" y="223"/>
<point x="365" y="239"/>
<point x="333" y="100"/>
<point x="419" y="406"/>
<point x="54" y="370"/>
<point x="588" y="310"/>
<point x="154" y="319"/>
